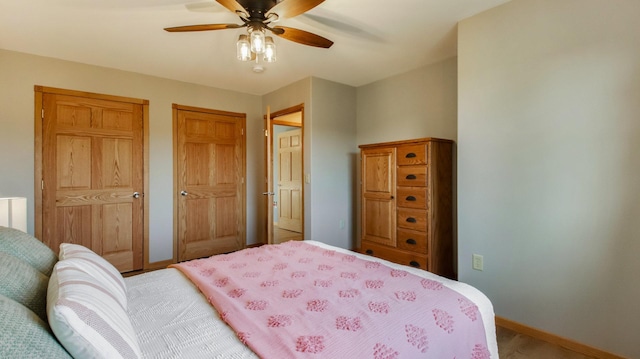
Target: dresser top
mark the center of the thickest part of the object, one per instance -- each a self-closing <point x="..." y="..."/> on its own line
<point x="406" y="142"/>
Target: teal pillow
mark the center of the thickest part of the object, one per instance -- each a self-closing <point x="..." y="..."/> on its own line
<point x="27" y="248"/>
<point x="24" y="284"/>
<point x="24" y="335"/>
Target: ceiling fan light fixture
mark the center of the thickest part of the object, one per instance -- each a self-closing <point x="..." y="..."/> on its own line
<point x="269" y="49"/>
<point x="243" y="48"/>
<point x="256" y="16"/>
<point x="257" y="41"/>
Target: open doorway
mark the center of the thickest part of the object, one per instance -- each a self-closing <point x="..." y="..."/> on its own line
<point x="286" y="149"/>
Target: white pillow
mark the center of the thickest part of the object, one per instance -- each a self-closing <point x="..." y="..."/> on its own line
<point x="86" y="315"/>
<point x="98" y="267"/>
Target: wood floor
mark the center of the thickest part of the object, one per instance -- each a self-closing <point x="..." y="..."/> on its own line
<point x="282" y="235"/>
<point x="513" y="345"/>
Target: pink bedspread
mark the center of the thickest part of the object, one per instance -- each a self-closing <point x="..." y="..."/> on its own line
<point x="297" y="300"/>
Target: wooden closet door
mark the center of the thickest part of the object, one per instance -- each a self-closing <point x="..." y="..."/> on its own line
<point x="378" y="195"/>
<point x="210" y="179"/>
<point x="92" y="168"/>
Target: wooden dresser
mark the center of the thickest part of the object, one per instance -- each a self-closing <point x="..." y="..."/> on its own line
<point x="407" y="213"/>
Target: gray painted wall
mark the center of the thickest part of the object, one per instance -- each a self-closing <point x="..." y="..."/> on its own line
<point x="549" y="106"/>
<point x="418" y="103"/>
<point x="333" y="149"/>
<point x="20" y="72"/>
<point x="331" y="169"/>
<point x="548" y="103"/>
<point x="329" y="144"/>
<point x="292" y="95"/>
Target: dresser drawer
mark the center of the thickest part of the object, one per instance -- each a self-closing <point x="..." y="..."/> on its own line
<point x="413" y="241"/>
<point x="394" y="255"/>
<point x="412" y="176"/>
<point x="411" y="155"/>
<point x="412" y="197"/>
<point x="415" y="219"/>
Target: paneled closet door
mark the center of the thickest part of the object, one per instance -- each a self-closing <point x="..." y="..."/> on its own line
<point x="92" y="176"/>
<point x="210" y="164"/>
<point x="378" y="195"/>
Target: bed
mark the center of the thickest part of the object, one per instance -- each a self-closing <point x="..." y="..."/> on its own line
<point x="73" y="304"/>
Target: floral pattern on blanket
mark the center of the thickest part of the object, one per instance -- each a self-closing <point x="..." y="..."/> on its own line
<point x="297" y="300"/>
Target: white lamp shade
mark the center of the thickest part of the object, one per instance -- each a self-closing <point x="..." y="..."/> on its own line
<point x="13" y="213"/>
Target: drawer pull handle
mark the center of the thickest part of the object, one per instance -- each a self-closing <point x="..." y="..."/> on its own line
<point x="411" y="241"/>
<point x="410" y="155"/>
<point x="411" y="198"/>
<point x="411" y="177"/>
<point x="411" y="220"/>
<point x="414" y="264"/>
<point x="369" y="251"/>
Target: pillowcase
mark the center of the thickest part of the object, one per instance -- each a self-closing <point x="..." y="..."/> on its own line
<point x="86" y="315"/>
<point x="24" y="335"/>
<point x="97" y="267"/>
<point x="28" y="248"/>
<point x="21" y="282"/>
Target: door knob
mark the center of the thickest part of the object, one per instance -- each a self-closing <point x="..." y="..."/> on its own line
<point x="136" y="195"/>
<point x="268" y="193"/>
<point x="184" y="193"/>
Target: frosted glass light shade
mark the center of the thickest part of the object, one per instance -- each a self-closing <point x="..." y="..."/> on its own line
<point x="269" y="49"/>
<point x="243" y="48"/>
<point x="257" y="41"/>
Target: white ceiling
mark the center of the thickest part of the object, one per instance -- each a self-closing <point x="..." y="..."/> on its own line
<point x="373" y="39"/>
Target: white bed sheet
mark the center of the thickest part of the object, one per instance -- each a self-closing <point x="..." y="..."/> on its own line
<point x="174" y="320"/>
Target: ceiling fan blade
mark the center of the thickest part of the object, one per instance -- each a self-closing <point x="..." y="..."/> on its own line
<point x="302" y="37"/>
<point x="205" y="27"/>
<point x="232" y="5"/>
<point x="290" y="8"/>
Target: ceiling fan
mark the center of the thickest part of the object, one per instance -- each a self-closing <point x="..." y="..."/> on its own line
<point x="257" y="15"/>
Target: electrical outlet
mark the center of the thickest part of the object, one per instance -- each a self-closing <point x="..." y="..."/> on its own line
<point x="477" y="262"/>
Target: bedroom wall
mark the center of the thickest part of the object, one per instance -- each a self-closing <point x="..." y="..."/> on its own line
<point x="20" y="72"/>
<point x="415" y="104"/>
<point x="329" y="142"/>
<point x="291" y="95"/>
<point x="333" y="163"/>
<point x="418" y="103"/>
<point x="549" y="102"/>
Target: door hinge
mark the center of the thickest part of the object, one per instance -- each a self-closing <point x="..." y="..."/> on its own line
<point x="242" y="131"/>
<point x="42" y="114"/>
<point x="42" y="185"/>
<point x="266" y="133"/>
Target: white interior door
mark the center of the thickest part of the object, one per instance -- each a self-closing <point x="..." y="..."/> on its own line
<point x="289" y="147"/>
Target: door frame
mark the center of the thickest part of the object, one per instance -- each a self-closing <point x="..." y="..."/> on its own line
<point x="176" y="187"/>
<point x="38" y="115"/>
<point x="271" y="120"/>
